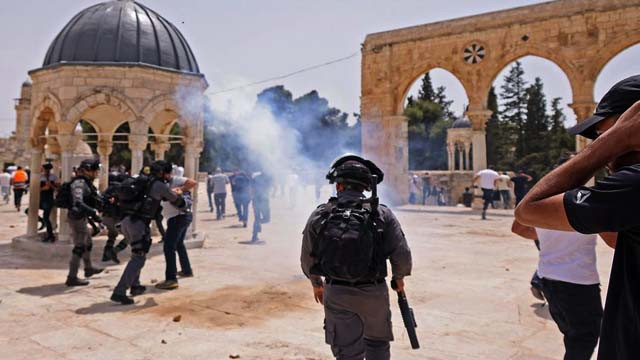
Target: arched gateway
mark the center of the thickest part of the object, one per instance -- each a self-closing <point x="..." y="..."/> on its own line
<point x="115" y="62"/>
<point x="580" y="36"/>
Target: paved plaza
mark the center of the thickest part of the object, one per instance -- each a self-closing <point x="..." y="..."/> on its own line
<point x="469" y="290"/>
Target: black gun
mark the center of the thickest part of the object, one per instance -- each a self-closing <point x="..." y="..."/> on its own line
<point x="407" y="316"/>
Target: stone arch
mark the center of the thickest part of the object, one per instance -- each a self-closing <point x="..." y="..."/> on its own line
<point x="404" y="85"/>
<point x="609" y="52"/>
<point x="165" y="103"/>
<point x="101" y="96"/>
<point x="45" y="115"/>
<point x="508" y="58"/>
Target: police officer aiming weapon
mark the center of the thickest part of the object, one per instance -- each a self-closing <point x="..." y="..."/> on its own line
<point x="347" y="241"/>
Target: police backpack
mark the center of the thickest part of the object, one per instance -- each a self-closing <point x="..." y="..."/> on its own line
<point x="132" y="193"/>
<point x="64" y="198"/>
<point x="349" y="244"/>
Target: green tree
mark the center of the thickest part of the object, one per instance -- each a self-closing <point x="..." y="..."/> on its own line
<point x="499" y="135"/>
<point x="514" y="103"/>
<point x="534" y="135"/>
<point x="426" y="89"/>
<point x="559" y="138"/>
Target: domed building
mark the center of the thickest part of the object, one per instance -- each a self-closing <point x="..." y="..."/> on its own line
<point x="459" y="140"/>
<point x="113" y="63"/>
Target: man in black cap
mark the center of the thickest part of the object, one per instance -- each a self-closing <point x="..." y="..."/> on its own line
<point x="353" y="262"/>
<point x="612" y="205"/>
<point x="139" y="208"/>
<point x="84" y="198"/>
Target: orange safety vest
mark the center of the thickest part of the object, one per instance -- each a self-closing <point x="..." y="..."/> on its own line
<point x="20" y="176"/>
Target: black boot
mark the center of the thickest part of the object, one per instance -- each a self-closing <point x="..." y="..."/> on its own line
<point x="122" y="299"/>
<point x="74" y="281"/>
<point x="106" y="253"/>
<point x="138" y="290"/>
<point x="92" y="271"/>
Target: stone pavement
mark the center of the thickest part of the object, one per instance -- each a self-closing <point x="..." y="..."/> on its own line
<point x="469" y="291"/>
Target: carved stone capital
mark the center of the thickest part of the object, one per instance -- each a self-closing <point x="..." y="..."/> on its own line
<point x="479" y="118"/>
<point x="583" y="109"/>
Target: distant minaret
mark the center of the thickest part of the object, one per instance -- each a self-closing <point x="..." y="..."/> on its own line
<point x="23" y="115"/>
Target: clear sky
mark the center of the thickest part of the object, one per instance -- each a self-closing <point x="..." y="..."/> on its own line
<point x="240" y="41"/>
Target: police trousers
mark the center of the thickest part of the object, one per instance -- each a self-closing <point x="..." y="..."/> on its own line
<point x="82" y="245"/>
<point x="137" y="233"/>
<point x="358" y="321"/>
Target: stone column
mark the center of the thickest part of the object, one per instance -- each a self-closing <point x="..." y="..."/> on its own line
<point x="160" y="148"/>
<point x="583" y="110"/>
<point x="385" y="142"/>
<point x="460" y="157"/>
<point x="34" y="191"/>
<point x="137" y="144"/>
<point x="478" y="138"/>
<point x="68" y="144"/>
<point x="104" y="150"/>
<point x="467" y="155"/>
<point x="450" y="158"/>
<point x="192" y="150"/>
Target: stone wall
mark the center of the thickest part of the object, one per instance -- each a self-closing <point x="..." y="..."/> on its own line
<point x="579" y="36"/>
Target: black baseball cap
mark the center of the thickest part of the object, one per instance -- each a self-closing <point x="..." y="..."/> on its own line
<point x="615" y="102"/>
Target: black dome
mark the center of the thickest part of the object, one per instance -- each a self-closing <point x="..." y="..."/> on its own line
<point x="121" y="31"/>
<point x="461" y="123"/>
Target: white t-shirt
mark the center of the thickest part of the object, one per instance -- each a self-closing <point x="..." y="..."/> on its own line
<point x="568" y="256"/>
<point x="168" y="210"/>
<point x="220" y="182"/>
<point x="503" y="182"/>
<point x="5" y="179"/>
<point x="487" y="176"/>
<point x="413" y="184"/>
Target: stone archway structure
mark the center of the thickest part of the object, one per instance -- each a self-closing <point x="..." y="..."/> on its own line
<point x="107" y="71"/>
<point x="580" y="36"/>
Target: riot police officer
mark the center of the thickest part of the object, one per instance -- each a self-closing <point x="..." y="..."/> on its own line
<point x="354" y="291"/>
<point x="85" y="202"/>
<point x="111" y="215"/>
<point x="135" y="225"/>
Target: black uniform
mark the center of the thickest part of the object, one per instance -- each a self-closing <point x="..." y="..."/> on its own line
<point x="612" y="205"/>
<point x="358" y="317"/>
<point x="85" y="201"/>
<point x="135" y="227"/>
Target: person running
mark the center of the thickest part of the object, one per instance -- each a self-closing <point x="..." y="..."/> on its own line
<point x="611" y="205"/>
<point x="220" y="182"/>
<point x="19" y="182"/>
<point x="487" y="179"/>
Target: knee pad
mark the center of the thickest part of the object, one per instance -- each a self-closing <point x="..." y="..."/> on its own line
<point x="78" y="250"/>
<point x="89" y="247"/>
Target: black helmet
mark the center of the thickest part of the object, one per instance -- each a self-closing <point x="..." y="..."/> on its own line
<point x="90" y="164"/>
<point x="161" y="166"/>
<point x="354" y="169"/>
<point x="47" y="166"/>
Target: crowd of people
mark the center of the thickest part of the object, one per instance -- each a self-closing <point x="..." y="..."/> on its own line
<point x="422" y="190"/>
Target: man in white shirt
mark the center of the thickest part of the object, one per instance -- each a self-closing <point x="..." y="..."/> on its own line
<point x="487" y="179"/>
<point x="178" y="221"/>
<point x="5" y="186"/>
<point x="220" y="182"/>
<point x="570" y="283"/>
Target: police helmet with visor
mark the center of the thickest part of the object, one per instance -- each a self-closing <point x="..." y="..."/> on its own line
<point x="353" y="169"/>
